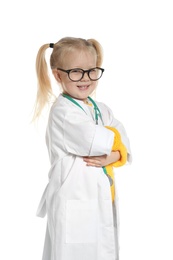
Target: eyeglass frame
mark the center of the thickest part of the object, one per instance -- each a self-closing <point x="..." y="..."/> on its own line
<point x="83" y="73"/>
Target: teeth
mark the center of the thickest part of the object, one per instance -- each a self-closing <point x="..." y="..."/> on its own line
<point x="82" y="86"/>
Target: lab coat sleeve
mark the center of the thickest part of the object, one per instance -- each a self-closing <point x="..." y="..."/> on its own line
<point x="83" y="137"/>
<point x="110" y="120"/>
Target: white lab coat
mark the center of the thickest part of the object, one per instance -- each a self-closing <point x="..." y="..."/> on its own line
<point x="82" y="221"/>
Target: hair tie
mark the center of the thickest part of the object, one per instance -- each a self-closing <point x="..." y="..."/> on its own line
<point x="51" y="45"/>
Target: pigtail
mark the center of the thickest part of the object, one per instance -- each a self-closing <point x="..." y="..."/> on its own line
<point x="44" y="91"/>
<point x="98" y="49"/>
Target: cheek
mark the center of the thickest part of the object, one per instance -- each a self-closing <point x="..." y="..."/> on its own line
<point x="68" y="85"/>
<point x="64" y="78"/>
<point x="94" y="84"/>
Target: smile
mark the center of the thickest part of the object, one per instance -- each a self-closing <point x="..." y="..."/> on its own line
<point x="83" y="87"/>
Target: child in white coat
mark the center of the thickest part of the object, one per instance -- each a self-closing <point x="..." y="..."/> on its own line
<point x="85" y="143"/>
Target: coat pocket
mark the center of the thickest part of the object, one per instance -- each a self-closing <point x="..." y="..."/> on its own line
<point x="81" y="221"/>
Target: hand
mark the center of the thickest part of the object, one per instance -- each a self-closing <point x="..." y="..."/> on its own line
<point x="103" y="160"/>
<point x="96" y="161"/>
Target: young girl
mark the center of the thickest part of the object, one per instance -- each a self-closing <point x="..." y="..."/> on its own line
<point x="84" y="142"/>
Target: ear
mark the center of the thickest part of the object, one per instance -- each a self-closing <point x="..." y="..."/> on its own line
<point x="57" y="75"/>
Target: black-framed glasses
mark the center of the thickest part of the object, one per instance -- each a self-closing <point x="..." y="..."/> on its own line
<point x="77" y="74"/>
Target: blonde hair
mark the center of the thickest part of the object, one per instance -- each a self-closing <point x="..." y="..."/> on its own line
<point x="63" y="46"/>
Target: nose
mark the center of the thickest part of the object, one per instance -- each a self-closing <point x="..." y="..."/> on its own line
<point x="85" y="76"/>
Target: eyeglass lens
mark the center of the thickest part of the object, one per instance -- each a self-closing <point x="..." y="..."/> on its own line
<point x="77" y="74"/>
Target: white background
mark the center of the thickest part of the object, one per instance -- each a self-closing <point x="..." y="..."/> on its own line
<point x="137" y="38"/>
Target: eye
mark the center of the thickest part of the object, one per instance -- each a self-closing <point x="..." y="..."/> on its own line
<point x="76" y="71"/>
<point x="93" y="71"/>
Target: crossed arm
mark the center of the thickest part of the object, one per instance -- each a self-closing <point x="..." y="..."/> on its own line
<point x="118" y="156"/>
<point x="104" y="160"/>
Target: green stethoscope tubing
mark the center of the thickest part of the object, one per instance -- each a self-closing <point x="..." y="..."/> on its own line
<point x="96" y="109"/>
<point x="97" y="115"/>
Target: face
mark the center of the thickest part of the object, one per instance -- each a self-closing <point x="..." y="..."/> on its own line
<point x="77" y="59"/>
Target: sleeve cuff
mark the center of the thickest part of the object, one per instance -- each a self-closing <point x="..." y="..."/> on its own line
<point x="102" y="142"/>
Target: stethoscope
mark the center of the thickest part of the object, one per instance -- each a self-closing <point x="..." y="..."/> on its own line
<point x="97" y="115"/>
<point x="96" y="109"/>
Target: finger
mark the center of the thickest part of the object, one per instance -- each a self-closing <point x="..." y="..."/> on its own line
<point x="94" y="163"/>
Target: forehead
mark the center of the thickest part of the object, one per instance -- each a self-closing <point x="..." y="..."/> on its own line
<point x="80" y="58"/>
